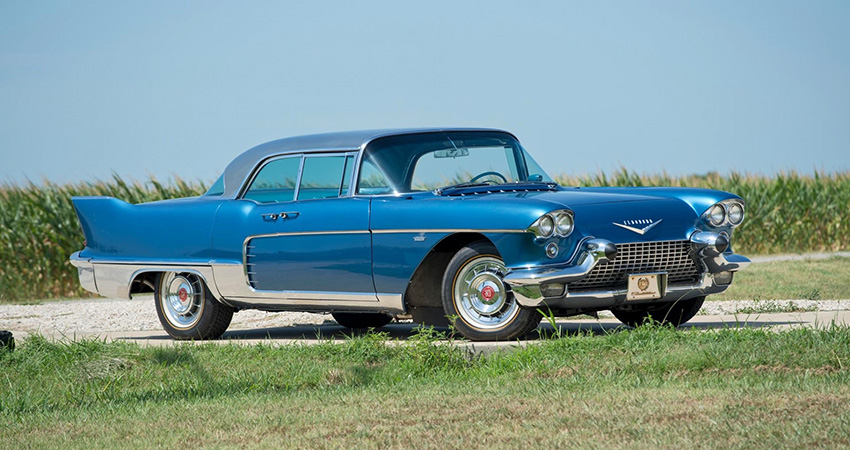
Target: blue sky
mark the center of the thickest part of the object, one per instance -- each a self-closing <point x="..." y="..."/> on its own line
<point x="162" y="88"/>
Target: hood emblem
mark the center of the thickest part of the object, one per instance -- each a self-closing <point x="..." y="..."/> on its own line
<point x="630" y="225"/>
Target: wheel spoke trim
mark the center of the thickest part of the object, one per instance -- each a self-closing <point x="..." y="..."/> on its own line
<point x="181" y="298"/>
<point x="482" y="299"/>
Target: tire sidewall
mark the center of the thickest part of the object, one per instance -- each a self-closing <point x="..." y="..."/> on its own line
<point x="200" y="329"/>
<point x="521" y="323"/>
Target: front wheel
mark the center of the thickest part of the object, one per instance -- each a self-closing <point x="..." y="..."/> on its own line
<point x="478" y="301"/>
<point x="675" y="313"/>
<point x="187" y="309"/>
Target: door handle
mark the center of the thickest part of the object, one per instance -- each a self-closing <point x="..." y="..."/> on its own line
<point x="283" y="215"/>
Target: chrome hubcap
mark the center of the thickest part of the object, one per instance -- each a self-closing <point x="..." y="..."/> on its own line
<point x="481" y="297"/>
<point x="182" y="299"/>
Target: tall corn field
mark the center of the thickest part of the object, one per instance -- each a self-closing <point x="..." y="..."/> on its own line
<point x="39" y="231"/>
<point x="786" y="213"/>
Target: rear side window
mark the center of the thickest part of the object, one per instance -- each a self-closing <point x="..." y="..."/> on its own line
<point x="275" y="182"/>
<point x="217" y="189"/>
<point x="322" y="177"/>
<point x="372" y="181"/>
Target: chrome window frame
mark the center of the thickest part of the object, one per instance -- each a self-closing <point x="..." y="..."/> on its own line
<point x="320" y="155"/>
<point x="302" y="155"/>
<point x="355" y="185"/>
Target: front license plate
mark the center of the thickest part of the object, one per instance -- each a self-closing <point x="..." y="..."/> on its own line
<point x="644" y="287"/>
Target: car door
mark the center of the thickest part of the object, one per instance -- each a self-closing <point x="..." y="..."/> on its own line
<point x="300" y="235"/>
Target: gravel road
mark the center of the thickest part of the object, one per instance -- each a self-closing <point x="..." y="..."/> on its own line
<point x="112" y="315"/>
<point x="138" y="314"/>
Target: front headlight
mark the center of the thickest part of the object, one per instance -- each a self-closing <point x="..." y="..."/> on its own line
<point x="564" y="223"/>
<point x="736" y="214"/>
<point x="728" y="212"/>
<point x="558" y="223"/>
<point x="717" y="215"/>
<point x="546" y="226"/>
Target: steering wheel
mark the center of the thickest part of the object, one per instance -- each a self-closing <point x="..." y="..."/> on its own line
<point x="484" y="174"/>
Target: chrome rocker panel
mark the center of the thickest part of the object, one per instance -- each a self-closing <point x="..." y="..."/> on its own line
<point x="709" y="248"/>
<point x="227" y="284"/>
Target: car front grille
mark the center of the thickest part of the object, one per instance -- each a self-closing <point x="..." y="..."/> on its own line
<point x="673" y="257"/>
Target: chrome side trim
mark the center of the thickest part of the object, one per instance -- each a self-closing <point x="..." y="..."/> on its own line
<point x="447" y="230"/>
<point x="226" y="282"/>
<point x="231" y="282"/>
<point x="302" y="233"/>
<point x="115" y="279"/>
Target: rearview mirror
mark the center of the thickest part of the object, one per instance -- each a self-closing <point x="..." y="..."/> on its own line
<point x="451" y="153"/>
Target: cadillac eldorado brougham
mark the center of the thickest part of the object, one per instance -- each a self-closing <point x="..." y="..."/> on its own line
<point x="436" y="225"/>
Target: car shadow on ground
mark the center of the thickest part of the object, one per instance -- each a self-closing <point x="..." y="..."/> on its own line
<point x="404" y="331"/>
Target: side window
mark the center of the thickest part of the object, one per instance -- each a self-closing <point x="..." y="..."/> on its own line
<point x="217" y="188"/>
<point x="372" y="181"/>
<point x="275" y="182"/>
<point x="346" y="176"/>
<point x="322" y="177"/>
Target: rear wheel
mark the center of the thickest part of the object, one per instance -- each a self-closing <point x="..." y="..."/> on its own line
<point x="479" y="302"/>
<point x="187" y="309"/>
<point x="675" y="313"/>
<point x="362" y="320"/>
<point x="7" y="341"/>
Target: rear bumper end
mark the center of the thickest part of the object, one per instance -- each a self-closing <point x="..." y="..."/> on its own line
<point x="85" y="270"/>
<point x="532" y="286"/>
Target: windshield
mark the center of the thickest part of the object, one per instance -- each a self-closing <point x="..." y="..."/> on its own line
<point x="424" y="162"/>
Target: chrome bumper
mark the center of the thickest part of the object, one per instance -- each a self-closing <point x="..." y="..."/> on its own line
<point x="114" y="278"/>
<point x="85" y="270"/>
<point x="709" y="247"/>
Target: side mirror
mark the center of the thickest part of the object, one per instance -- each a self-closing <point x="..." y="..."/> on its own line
<point x="536" y="178"/>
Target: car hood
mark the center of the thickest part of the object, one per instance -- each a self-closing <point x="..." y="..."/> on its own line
<point x="571" y="197"/>
<point x="618" y="214"/>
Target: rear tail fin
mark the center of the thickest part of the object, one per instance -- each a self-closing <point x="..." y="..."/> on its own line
<point x="98" y="218"/>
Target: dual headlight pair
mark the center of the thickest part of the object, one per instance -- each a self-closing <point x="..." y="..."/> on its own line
<point x="556" y="223"/>
<point x="727" y="212"/>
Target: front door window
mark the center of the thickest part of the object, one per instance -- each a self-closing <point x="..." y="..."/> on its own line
<point x="322" y="177"/>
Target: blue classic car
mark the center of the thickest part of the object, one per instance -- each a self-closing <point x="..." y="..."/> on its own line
<point x="439" y="226"/>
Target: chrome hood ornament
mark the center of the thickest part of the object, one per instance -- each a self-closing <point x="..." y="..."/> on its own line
<point x="629" y="225"/>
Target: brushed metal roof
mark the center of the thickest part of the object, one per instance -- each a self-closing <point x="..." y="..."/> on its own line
<point x="236" y="173"/>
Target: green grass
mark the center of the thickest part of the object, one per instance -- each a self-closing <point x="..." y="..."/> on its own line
<point x="39" y="230"/>
<point x="823" y="279"/>
<point x="647" y="388"/>
<point x="774" y="306"/>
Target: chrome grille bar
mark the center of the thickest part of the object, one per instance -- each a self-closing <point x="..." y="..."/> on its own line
<point x="673" y="257"/>
<point x="249" y="265"/>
